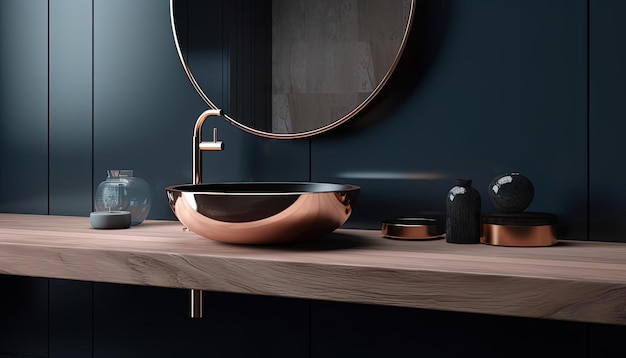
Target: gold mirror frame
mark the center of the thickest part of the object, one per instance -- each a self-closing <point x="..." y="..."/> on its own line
<point x="308" y="133"/>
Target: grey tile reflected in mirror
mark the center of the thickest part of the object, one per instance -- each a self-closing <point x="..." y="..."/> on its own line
<point x="328" y="56"/>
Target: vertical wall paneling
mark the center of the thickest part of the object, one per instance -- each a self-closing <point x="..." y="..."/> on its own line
<point x="144" y="106"/>
<point x="23" y="316"/>
<point x="70" y="319"/>
<point x="24" y="106"/>
<point x="350" y="330"/>
<point x="606" y="341"/>
<point x="23" y="163"/>
<point x="607" y="112"/>
<point x="156" y="323"/>
<point x="70" y="107"/>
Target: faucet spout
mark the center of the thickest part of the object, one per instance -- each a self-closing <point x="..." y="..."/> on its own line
<point x="199" y="145"/>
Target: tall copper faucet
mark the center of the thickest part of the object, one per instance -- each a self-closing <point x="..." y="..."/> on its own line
<point x="198" y="147"/>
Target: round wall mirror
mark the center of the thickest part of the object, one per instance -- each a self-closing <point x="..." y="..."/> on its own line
<point x="290" y="68"/>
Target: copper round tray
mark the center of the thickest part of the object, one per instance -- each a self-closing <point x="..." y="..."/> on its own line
<point x="413" y="229"/>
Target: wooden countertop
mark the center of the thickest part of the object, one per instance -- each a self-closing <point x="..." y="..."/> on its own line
<point x="575" y="281"/>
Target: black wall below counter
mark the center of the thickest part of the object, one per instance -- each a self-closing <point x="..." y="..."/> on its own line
<point x="84" y="319"/>
<point x="85" y="86"/>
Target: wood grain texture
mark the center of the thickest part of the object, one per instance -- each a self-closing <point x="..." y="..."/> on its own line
<point x="576" y="281"/>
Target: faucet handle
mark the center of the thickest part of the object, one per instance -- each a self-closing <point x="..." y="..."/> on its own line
<point x="214" y="145"/>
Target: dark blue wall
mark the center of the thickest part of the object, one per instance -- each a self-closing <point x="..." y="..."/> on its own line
<point x="534" y="86"/>
<point x="495" y="87"/>
<point x="531" y="87"/>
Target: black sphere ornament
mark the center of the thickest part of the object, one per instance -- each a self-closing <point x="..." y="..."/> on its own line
<point x="511" y="192"/>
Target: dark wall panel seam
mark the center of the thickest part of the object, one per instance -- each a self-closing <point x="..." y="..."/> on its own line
<point x="588" y="119"/>
<point x="48" y="169"/>
<point x="48" y="313"/>
<point x="48" y="116"/>
<point x="93" y="168"/>
<point x="93" y="78"/>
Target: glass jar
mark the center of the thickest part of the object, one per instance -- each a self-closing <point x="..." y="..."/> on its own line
<point x="122" y="191"/>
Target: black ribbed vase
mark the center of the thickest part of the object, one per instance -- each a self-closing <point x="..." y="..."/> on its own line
<point x="463" y="214"/>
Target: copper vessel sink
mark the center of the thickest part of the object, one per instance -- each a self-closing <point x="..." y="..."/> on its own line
<point x="262" y="212"/>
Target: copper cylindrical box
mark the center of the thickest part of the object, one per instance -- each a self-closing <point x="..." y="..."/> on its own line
<point x="519" y="229"/>
<point x="413" y="229"/>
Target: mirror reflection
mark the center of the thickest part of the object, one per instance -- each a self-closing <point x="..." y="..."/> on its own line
<point x="290" y="66"/>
